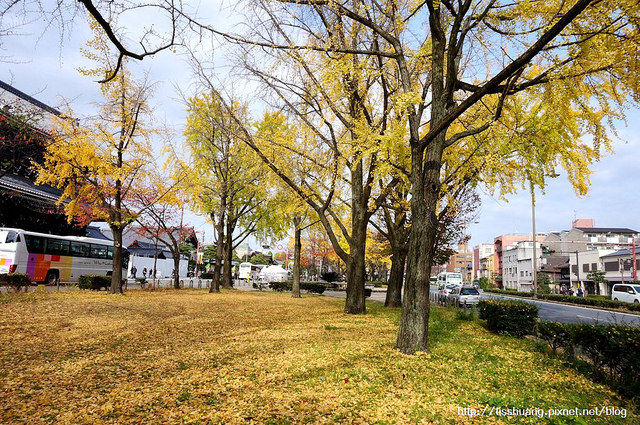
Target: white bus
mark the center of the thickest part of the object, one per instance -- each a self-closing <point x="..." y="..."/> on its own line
<point x="448" y="278"/>
<point x="47" y="258"/>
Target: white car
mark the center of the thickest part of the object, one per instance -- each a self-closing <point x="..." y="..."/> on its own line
<point x="449" y="288"/>
<point x="626" y="293"/>
<point x="465" y="295"/>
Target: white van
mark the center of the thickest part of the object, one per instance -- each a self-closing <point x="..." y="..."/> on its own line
<point x="626" y="293"/>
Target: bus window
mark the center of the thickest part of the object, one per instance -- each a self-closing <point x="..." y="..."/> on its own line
<point x="80" y="249"/>
<point x="98" y="251"/>
<point x="12" y="237"/>
<point x="57" y="247"/>
<point x="35" y="244"/>
<point x="110" y="252"/>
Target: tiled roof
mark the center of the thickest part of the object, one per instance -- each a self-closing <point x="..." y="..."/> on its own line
<point x="622" y="252"/>
<point x="31" y="100"/>
<point x="28" y="188"/>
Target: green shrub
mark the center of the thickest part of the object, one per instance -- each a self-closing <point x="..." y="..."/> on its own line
<point x="206" y="276"/>
<point x="312" y="287"/>
<point x="330" y="277"/>
<point x="367" y="292"/>
<point x="17" y="281"/>
<point x="281" y="286"/>
<point x="613" y="351"/>
<point x="599" y="297"/>
<point x="596" y="301"/>
<point x="141" y="281"/>
<point x="510" y="292"/>
<point x="556" y="334"/>
<point x="509" y="317"/>
<point x="377" y="283"/>
<point x="94" y="282"/>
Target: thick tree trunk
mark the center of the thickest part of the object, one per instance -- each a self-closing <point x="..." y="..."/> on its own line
<point x="355" y="303"/>
<point x="297" y="249"/>
<point x="414" y="323"/>
<point x="396" y="278"/>
<point x="176" y="268"/>
<point x="226" y="261"/>
<point x="217" y="267"/>
<point x="356" y="270"/>
<point x="116" y="269"/>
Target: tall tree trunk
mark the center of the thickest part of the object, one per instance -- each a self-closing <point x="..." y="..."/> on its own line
<point x="297" y="248"/>
<point x="425" y="192"/>
<point x="116" y="269"/>
<point x="396" y="278"/>
<point x="355" y="303"/>
<point x="176" y="268"/>
<point x="226" y="261"/>
<point x="155" y="265"/>
<point x="414" y="323"/>
<point x="356" y="270"/>
<point x="217" y="267"/>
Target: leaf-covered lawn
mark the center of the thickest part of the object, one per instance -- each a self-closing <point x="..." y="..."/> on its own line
<point x="236" y="357"/>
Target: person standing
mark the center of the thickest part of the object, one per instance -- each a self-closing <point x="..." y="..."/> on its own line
<point x="144" y="272"/>
<point x="133" y="272"/>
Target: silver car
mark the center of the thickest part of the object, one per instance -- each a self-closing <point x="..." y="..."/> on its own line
<point x="465" y="295"/>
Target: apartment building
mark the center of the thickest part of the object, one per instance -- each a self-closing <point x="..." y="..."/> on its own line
<point x="517" y="265"/>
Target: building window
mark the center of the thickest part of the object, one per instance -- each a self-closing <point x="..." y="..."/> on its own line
<point x="585" y="268"/>
<point x="611" y="266"/>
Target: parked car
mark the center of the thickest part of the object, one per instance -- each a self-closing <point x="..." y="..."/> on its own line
<point x="465" y="295"/>
<point x="626" y="293"/>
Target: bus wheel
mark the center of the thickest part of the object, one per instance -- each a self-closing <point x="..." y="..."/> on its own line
<point x="52" y="277"/>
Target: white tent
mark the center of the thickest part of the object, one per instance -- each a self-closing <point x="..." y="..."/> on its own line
<point x="273" y="274"/>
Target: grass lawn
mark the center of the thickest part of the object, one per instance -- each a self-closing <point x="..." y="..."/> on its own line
<point x="236" y="357"/>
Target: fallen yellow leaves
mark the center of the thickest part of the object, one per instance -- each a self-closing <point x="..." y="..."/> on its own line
<point x="238" y="357"/>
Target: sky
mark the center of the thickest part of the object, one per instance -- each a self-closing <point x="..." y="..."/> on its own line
<point x="38" y="64"/>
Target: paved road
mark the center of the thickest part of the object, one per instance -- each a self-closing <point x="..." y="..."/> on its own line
<point x="547" y="311"/>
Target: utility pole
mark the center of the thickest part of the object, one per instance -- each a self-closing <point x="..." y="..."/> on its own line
<point x="633" y="256"/>
<point x="534" y="258"/>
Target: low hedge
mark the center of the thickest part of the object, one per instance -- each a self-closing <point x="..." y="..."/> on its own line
<point x="94" y="282"/>
<point x="596" y="302"/>
<point x="509" y="317"/>
<point x="311" y="287"/>
<point x="511" y="292"/>
<point x="17" y="281"/>
<point x="206" y="276"/>
<point x="592" y="301"/>
<point x="613" y="351"/>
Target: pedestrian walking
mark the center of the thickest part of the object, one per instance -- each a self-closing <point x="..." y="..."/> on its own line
<point x="144" y="272"/>
<point x="134" y="271"/>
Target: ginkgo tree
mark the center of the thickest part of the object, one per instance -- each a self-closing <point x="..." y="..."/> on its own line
<point x="488" y="77"/>
<point x="229" y="180"/>
<point x="457" y="73"/>
<point x="99" y="163"/>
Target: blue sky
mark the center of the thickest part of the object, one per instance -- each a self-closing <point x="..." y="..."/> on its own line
<point x="38" y="65"/>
